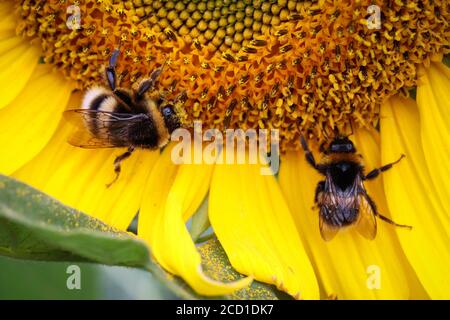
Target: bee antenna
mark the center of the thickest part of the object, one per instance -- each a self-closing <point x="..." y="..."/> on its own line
<point x="336" y="132"/>
<point x="351" y="127"/>
<point x="166" y="58"/>
<point x="298" y="127"/>
<point x="119" y="46"/>
<point x="325" y="134"/>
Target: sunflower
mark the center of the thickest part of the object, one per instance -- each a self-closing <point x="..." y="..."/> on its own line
<point x="312" y="67"/>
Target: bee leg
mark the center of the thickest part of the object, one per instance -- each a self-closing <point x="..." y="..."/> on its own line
<point x="375" y="172"/>
<point x="322" y="148"/>
<point x="117" y="163"/>
<point x="308" y="154"/>
<point x="379" y="215"/>
<point x="319" y="189"/>
<point x="111" y="69"/>
<point x="181" y="98"/>
<point x="149" y="83"/>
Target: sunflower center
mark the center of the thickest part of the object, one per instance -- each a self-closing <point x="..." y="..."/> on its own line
<point x="311" y="67"/>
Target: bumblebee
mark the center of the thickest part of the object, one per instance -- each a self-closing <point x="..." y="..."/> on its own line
<point x="118" y="117"/>
<point x="342" y="198"/>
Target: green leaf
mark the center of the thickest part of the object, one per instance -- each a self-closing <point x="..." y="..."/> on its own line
<point x="217" y="266"/>
<point x="446" y="60"/>
<point x="23" y="279"/>
<point x="200" y="220"/>
<point x="37" y="227"/>
<point x="413" y="93"/>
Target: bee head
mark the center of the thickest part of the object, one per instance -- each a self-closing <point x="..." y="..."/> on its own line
<point x="341" y="144"/>
<point x="170" y="116"/>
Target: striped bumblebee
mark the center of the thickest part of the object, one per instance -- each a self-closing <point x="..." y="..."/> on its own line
<point x="342" y="198"/>
<point x="117" y="117"/>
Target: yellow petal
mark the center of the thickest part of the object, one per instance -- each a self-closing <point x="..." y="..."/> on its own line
<point x="433" y="99"/>
<point x="10" y="42"/>
<point x="171" y="195"/>
<point x="78" y="177"/>
<point x="254" y="226"/>
<point x="18" y="60"/>
<point x="8" y="19"/>
<point x="412" y="197"/>
<point x="349" y="265"/>
<point x="28" y="123"/>
<point x="367" y="143"/>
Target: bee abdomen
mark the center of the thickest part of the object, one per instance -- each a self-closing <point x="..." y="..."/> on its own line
<point x="339" y="216"/>
<point x="94" y="97"/>
<point x="99" y="99"/>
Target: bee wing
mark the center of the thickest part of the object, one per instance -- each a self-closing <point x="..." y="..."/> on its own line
<point x="83" y="139"/>
<point x="105" y="123"/>
<point x="367" y="223"/>
<point x="327" y="231"/>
